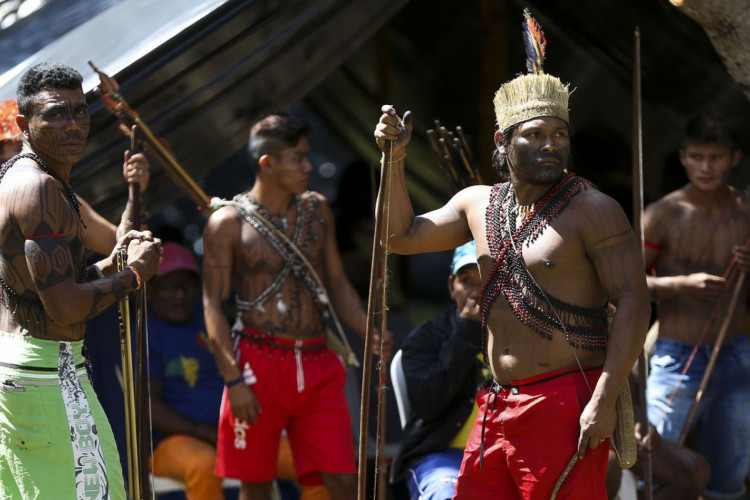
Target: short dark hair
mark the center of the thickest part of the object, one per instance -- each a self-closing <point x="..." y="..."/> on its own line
<point x="710" y="128"/>
<point x="274" y="133"/>
<point x="44" y="76"/>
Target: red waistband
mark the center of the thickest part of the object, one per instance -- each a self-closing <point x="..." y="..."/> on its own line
<point x="318" y="341"/>
<point x="543" y="377"/>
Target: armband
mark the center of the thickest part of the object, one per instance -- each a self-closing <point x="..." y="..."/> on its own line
<point x="235" y="381"/>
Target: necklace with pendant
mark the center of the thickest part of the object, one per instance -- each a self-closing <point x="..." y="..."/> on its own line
<point x="270" y="214"/>
<point x="522" y="210"/>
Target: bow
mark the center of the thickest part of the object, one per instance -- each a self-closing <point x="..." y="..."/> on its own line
<point x="376" y="304"/>
<point x="737" y="286"/>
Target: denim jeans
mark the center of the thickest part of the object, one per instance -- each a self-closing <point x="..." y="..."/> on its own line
<point x="433" y="477"/>
<point x="722" y="422"/>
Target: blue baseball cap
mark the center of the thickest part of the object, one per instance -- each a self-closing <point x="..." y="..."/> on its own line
<point x="463" y="256"/>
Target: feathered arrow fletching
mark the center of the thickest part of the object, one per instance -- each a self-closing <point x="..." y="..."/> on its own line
<point x="534" y="43"/>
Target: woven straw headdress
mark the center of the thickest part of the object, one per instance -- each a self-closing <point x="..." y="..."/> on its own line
<point x="535" y="94"/>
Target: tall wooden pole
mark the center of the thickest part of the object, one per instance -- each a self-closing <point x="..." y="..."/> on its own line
<point x="375" y="305"/>
<point x="640" y="394"/>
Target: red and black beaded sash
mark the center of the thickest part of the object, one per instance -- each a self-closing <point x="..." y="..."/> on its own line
<point x="585" y="327"/>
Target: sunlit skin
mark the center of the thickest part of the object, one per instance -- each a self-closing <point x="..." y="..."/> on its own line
<point x="41" y="238"/>
<point x="588" y="256"/>
<point x="58" y="128"/>
<point x="99" y="233"/>
<point x="698" y="229"/>
<point x="289" y="172"/>
<point x="238" y="257"/>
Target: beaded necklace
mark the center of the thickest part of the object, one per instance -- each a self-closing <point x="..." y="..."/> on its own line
<point x="584" y="327"/>
<point x="270" y="214"/>
<point x="246" y="206"/>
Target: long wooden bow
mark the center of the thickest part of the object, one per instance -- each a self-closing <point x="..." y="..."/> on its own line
<point x="640" y="393"/>
<point x="735" y="281"/>
<point x="376" y="304"/>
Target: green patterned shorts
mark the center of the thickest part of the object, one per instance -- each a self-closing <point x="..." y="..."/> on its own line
<point x="55" y="440"/>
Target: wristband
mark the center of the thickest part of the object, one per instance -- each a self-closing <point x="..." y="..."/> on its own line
<point x="397" y="159"/>
<point x="137" y="275"/>
<point x="235" y="381"/>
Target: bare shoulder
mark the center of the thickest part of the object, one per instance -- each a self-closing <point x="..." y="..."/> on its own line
<point x="317" y="198"/>
<point x="320" y="204"/>
<point x="29" y="181"/>
<point x="595" y="204"/>
<point x="598" y="219"/>
<point x="471" y="198"/>
<point x="221" y="221"/>
<point x="31" y="197"/>
<point x="668" y="205"/>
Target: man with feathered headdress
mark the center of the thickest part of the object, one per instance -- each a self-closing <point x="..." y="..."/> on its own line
<point x="554" y="253"/>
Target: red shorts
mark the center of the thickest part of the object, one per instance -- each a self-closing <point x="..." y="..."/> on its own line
<point x="299" y="389"/>
<point x="529" y="439"/>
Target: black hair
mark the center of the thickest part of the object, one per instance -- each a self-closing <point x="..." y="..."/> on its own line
<point x="44" y="76"/>
<point x="710" y="128"/>
<point x="500" y="161"/>
<point x="274" y="133"/>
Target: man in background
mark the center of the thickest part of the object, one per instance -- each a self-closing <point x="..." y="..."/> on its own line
<point x="442" y="371"/>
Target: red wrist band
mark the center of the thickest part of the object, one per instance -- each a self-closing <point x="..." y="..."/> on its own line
<point x="137" y="275"/>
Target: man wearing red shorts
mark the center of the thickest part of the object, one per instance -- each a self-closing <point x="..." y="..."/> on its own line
<point x="275" y="246"/>
<point x="553" y="252"/>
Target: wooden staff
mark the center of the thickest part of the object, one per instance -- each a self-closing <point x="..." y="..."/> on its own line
<point x="141" y="377"/>
<point x="640" y="394"/>
<point x="377" y="290"/>
<point x="738" y="287"/>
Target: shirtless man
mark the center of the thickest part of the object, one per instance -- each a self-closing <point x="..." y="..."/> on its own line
<point x="279" y="373"/>
<point x="54" y="436"/>
<point x="99" y="233"/>
<point x="691" y="236"/>
<point x="579" y="248"/>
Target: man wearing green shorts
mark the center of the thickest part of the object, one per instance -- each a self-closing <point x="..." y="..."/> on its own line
<point x="55" y="441"/>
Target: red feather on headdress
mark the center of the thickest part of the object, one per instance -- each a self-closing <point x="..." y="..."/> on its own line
<point x="534" y="43"/>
